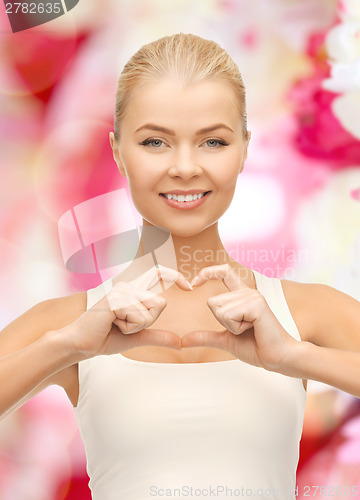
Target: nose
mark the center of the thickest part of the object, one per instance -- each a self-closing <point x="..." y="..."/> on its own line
<point x="184" y="165"/>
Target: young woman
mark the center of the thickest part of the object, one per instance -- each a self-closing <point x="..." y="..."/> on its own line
<point x="210" y="395"/>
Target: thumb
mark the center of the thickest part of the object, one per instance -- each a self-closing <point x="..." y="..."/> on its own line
<point x="152" y="336"/>
<point x="207" y="338"/>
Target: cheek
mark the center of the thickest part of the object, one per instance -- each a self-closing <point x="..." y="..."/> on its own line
<point x="143" y="189"/>
<point x="227" y="176"/>
<point x="225" y="168"/>
<point x="141" y="174"/>
<point x="229" y="179"/>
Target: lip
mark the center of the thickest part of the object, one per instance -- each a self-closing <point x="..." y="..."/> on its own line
<point x="186" y="205"/>
<point x="191" y="191"/>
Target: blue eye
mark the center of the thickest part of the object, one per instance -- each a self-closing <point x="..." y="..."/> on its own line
<point x="156" y="143"/>
<point x="150" y="141"/>
<point x="222" y="143"/>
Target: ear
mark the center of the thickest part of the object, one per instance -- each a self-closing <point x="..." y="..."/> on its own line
<point x="116" y="154"/>
<point x="245" y="152"/>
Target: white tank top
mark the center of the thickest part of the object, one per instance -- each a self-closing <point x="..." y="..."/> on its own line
<point x="191" y="430"/>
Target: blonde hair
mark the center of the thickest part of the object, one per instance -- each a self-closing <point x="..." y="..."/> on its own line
<point x="184" y="56"/>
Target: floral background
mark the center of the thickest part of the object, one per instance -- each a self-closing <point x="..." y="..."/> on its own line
<point x="298" y="197"/>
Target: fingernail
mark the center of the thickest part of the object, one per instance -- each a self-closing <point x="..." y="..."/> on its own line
<point x="194" y="280"/>
<point x="189" y="284"/>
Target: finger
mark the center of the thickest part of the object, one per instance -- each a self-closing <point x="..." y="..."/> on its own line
<point x="234" y="318"/>
<point x="207" y="338"/>
<point x="142" y="294"/>
<point x="126" y="294"/>
<point x="162" y="338"/>
<point x="132" y="319"/>
<point x="153" y="276"/>
<point x="241" y="346"/>
<point x="154" y="303"/>
<point x="121" y="296"/>
<point x="233" y="315"/>
<point x="135" y="308"/>
<point x="224" y="298"/>
<point x="225" y="272"/>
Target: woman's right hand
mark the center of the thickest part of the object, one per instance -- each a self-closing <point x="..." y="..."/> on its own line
<point x="120" y="320"/>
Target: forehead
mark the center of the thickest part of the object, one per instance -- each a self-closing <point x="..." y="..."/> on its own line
<point x="170" y="102"/>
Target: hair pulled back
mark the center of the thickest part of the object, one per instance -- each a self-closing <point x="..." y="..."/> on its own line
<point x="182" y="56"/>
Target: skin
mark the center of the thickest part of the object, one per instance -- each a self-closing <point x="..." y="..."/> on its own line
<point x="327" y="319"/>
<point x="183" y="161"/>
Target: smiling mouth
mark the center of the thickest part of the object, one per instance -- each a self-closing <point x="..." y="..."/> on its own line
<point x="203" y="194"/>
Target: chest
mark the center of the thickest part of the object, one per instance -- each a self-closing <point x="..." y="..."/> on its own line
<point x="185" y="312"/>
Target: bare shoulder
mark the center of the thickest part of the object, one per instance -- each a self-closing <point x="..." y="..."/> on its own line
<point x="324" y="315"/>
<point x="51" y="314"/>
<point x="48" y="315"/>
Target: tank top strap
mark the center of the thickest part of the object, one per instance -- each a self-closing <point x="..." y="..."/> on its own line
<point x="272" y="290"/>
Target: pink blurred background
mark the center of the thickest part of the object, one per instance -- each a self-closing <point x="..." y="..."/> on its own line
<point x="295" y="213"/>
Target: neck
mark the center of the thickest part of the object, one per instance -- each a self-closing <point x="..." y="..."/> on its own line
<point x="187" y="255"/>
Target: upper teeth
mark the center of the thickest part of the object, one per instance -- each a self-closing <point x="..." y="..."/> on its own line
<point x="181" y="197"/>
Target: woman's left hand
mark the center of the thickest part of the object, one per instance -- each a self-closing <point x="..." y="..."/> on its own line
<point x="252" y="332"/>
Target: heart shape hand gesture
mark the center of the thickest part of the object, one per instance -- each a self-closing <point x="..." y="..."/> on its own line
<point x="252" y="331"/>
<point x="121" y="320"/>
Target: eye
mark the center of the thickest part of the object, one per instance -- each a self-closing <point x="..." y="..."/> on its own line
<point x="218" y="141"/>
<point x="157" y="143"/>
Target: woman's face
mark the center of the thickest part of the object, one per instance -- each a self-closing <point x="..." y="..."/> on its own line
<point x="163" y="148"/>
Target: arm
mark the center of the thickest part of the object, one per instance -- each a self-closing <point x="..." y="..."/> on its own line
<point x="23" y="371"/>
<point x="335" y="367"/>
<point x="41" y="346"/>
<point x="31" y="357"/>
<point x="330" y="322"/>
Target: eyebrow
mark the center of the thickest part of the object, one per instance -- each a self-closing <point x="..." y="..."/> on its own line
<point x="151" y="126"/>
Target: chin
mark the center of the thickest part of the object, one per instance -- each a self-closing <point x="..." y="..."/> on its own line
<point x="187" y="230"/>
<point x="178" y="226"/>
